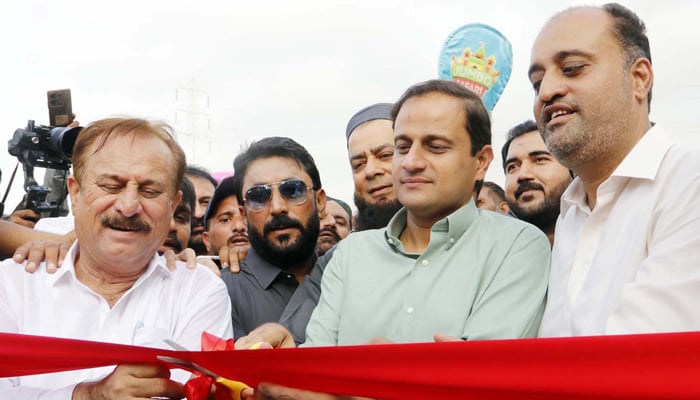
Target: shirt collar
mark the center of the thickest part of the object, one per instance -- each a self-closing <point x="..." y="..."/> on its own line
<point x="642" y="162"/>
<point x="454" y="224"/>
<point x="573" y="196"/>
<point x="645" y="158"/>
<point x="67" y="269"/>
<point x="264" y="272"/>
<point x="157" y="265"/>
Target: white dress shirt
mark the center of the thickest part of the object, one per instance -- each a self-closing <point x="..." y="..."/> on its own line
<point x="162" y="304"/>
<point x="632" y="264"/>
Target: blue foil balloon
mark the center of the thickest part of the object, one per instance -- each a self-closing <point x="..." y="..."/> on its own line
<point x="480" y="58"/>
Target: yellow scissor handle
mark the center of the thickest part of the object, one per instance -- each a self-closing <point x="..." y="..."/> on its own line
<point x="235" y="387"/>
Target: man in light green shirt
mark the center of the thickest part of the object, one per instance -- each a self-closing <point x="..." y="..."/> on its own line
<point x="441" y="267"/>
<point x="482" y="276"/>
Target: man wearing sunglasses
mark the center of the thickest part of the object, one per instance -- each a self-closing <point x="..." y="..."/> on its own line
<point x="280" y="187"/>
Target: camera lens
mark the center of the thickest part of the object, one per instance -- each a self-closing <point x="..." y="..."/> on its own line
<point x="63" y="139"/>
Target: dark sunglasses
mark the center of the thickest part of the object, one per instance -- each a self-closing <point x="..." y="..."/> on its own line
<point x="293" y="190"/>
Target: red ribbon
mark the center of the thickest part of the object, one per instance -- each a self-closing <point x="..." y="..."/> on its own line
<point x="606" y="367"/>
<point x="215" y="343"/>
<point x="198" y="388"/>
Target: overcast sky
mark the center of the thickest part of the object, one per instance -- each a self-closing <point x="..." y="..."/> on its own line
<point x="234" y="71"/>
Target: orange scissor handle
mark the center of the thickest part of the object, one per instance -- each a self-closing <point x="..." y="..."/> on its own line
<point x="234" y="387"/>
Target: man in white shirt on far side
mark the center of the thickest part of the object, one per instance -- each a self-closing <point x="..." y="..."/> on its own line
<point x="627" y="241"/>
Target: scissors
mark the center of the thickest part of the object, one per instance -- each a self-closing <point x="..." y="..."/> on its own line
<point x="235" y="387"/>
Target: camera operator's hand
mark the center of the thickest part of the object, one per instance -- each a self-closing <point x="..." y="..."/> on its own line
<point x="53" y="251"/>
<point x="25" y="217"/>
<point x="74" y="123"/>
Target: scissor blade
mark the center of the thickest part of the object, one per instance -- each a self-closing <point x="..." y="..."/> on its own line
<point x="175" y="345"/>
<point x="188" y="365"/>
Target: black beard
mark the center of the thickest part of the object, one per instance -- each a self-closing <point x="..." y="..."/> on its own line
<point x="374" y="216"/>
<point x="545" y="215"/>
<point x="197" y="244"/>
<point x="175" y="242"/>
<point x="293" y="253"/>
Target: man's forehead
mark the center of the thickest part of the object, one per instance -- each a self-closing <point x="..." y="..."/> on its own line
<point x="229" y="203"/>
<point x="563" y="30"/>
<point x="526" y="143"/>
<point x="577" y="15"/>
<point x="143" y="175"/>
<point x="433" y="110"/>
<point x="274" y="169"/>
<point x="231" y="199"/>
<point x="115" y="155"/>
<point x="369" y="135"/>
<point x="337" y="209"/>
<point x="530" y="139"/>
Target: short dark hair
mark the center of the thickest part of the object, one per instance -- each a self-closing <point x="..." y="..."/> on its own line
<point x="514" y="132"/>
<point x="478" y="122"/>
<point x="227" y="188"/>
<point x="630" y="32"/>
<point x="201" y="173"/>
<point x="496" y="190"/>
<point x="275" y="146"/>
<point x="188" y="195"/>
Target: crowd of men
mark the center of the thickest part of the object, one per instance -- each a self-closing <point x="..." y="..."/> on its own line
<point x="593" y="232"/>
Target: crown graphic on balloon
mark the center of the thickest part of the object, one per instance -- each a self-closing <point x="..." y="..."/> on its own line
<point x="465" y="60"/>
<point x="475" y="70"/>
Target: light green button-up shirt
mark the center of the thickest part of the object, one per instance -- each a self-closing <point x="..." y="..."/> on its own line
<point x="483" y="276"/>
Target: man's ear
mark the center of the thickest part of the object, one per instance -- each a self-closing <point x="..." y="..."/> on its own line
<point x="73" y="191"/>
<point x="206" y="241"/>
<point x="642" y="79"/>
<point x="244" y="212"/>
<point x="503" y="207"/>
<point x="176" y="201"/>
<point x="483" y="159"/>
<point x="321" y="202"/>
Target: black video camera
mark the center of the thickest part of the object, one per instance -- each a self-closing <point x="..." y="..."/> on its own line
<point x="35" y="200"/>
<point x="44" y="146"/>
